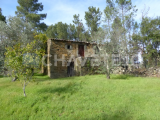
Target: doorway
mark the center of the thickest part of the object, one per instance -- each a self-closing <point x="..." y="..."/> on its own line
<point x="70" y="69"/>
<point x="81" y="50"/>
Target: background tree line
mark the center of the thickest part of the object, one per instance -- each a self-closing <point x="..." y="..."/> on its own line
<point x="76" y="30"/>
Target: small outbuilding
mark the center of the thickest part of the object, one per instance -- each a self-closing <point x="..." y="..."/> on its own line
<point x="65" y="57"/>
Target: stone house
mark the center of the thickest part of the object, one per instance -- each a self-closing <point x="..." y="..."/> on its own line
<point x="65" y="57"/>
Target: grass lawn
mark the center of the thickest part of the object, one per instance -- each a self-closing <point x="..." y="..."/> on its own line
<point x="81" y="98"/>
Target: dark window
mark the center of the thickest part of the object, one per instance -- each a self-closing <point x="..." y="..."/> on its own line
<point x="68" y="47"/>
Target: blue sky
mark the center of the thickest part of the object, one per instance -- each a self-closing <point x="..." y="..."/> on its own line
<point x="63" y="10"/>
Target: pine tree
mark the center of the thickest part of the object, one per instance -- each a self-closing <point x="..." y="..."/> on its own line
<point x="92" y="18"/>
<point x="79" y="27"/>
<point x="28" y="11"/>
<point x="2" y="17"/>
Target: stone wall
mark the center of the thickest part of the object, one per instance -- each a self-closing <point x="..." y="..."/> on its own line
<point x="123" y="70"/>
<point x="151" y="72"/>
<point x="59" y="48"/>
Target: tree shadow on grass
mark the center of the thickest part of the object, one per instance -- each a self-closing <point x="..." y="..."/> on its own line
<point x="123" y="113"/>
<point x="41" y="78"/>
<point x="38" y="74"/>
<point x="1" y="76"/>
<point x="70" y="87"/>
<point x="122" y="76"/>
<point x="116" y="116"/>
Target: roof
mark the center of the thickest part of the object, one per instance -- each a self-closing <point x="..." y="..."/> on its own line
<point x="71" y="41"/>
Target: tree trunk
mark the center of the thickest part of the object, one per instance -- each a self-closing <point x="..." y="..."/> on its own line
<point x="107" y="68"/>
<point x="108" y="76"/>
<point x="43" y="69"/>
<point x="14" y="79"/>
<point x="24" y="89"/>
<point x="155" y="61"/>
<point x="32" y="71"/>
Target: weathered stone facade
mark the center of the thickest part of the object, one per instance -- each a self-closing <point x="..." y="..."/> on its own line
<point x="65" y="50"/>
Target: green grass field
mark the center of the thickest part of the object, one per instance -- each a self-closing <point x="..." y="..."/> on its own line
<point x="81" y="98"/>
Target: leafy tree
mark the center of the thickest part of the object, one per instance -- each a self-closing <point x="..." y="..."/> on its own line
<point x="15" y="30"/>
<point x="74" y="31"/>
<point x="28" y="11"/>
<point x="52" y="31"/>
<point x="116" y="30"/>
<point x="12" y="32"/>
<point x="42" y="47"/>
<point x="120" y="14"/>
<point x="148" y="41"/>
<point x="2" y="18"/>
<point x="85" y="36"/>
<point x="19" y="39"/>
<point x="62" y="32"/>
<point x="59" y="30"/>
<point x="134" y="41"/>
<point x="109" y="11"/>
<point x="71" y="32"/>
<point x="109" y="45"/>
<point x="79" y="27"/>
<point x="21" y="60"/>
<point x="113" y="38"/>
<point x="92" y="18"/>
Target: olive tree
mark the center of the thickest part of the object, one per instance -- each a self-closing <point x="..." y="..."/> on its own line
<point x="108" y="47"/>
